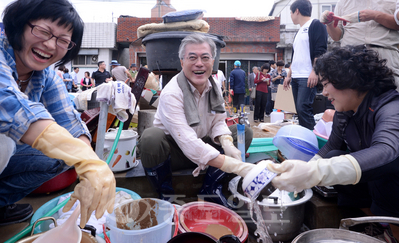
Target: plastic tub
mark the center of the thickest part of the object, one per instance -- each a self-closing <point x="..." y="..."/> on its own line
<point x="57" y="183"/>
<point x="45" y="208"/>
<point x="321" y="141"/>
<point x="296" y="142"/>
<point x="196" y="216"/>
<point x="160" y="233"/>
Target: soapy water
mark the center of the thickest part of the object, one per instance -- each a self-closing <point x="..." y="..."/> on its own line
<point x="261" y="229"/>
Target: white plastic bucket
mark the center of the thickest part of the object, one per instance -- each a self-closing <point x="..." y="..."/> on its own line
<point x="160" y="233"/>
<point x="124" y="157"/>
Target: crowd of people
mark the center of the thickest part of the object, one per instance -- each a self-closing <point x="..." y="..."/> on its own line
<point x="118" y="73"/>
<point x="262" y="85"/>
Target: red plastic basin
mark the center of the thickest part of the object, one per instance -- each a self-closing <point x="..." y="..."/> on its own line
<point x="59" y="182"/>
<point x="196" y="216"/>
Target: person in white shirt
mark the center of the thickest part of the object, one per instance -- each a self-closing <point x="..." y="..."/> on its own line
<point x="310" y="42"/>
<point x="220" y="78"/>
<point x="75" y="81"/>
<point x="189" y="129"/>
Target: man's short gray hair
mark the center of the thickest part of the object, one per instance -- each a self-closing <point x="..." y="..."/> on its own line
<point x="196" y="38"/>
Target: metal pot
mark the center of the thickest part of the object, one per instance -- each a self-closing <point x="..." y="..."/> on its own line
<point x="86" y="237"/>
<point x="283" y="223"/>
<point x="343" y="234"/>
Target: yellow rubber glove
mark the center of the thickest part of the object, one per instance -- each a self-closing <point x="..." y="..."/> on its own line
<point x="232" y="165"/>
<point x="229" y="149"/>
<point x="96" y="190"/>
<point x="297" y="175"/>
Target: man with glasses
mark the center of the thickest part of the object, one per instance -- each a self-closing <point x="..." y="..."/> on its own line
<point x="189" y="129"/>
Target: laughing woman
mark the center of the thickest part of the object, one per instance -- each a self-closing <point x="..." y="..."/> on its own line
<point x="361" y="157"/>
<point x="41" y="134"/>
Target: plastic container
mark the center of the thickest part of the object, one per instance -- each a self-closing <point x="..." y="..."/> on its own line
<point x="160" y="233"/>
<point x="241" y="140"/>
<point x="45" y="208"/>
<point x="323" y="129"/>
<point x="124" y="157"/>
<point x="321" y="141"/>
<point x="261" y="145"/>
<point x="276" y="115"/>
<point x="296" y="142"/>
<point x="57" y="183"/>
<point x="197" y="216"/>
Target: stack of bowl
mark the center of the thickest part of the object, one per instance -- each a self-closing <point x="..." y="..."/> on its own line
<point x="296" y="142"/>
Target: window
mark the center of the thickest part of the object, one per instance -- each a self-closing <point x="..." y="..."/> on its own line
<point x="143" y="61"/>
<point x="329" y="7"/>
<point x="85" y="60"/>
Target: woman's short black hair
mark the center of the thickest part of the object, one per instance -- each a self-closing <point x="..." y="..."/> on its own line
<point x="304" y="7"/>
<point x="357" y="68"/>
<point x="19" y="13"/>
<point x="265" y="66"/>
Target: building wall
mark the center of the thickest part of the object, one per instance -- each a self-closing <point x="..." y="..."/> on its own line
<point x="234" y="30"/>
<point x="282" y="10"/>
<point x="244" y="40"/>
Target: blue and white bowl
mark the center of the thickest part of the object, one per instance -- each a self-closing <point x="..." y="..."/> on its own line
<point x="257" y="179"/>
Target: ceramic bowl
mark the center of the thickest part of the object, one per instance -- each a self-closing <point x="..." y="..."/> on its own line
<point x="257" y="179"/>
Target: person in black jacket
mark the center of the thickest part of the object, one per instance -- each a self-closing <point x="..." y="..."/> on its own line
<point x="237" y="85"/>
<point x="310" y="42"/>
<point x="361" y="156"/>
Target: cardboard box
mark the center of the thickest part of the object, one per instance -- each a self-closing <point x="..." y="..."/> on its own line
<point x="284" y="100"/>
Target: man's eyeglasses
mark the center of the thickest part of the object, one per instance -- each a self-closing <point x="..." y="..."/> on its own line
<point x="204" y="59"/>
<point x="44" y="34"/>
